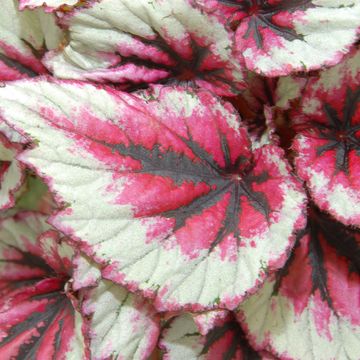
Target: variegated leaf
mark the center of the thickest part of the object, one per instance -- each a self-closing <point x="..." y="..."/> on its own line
<point x="140" y="42"/>
<point x="310" y="309"/>
<point x="328" y="143"/>
<point x="37" y="319"/>
<point x="278" y="37"/>
<point x="173" y="171"/>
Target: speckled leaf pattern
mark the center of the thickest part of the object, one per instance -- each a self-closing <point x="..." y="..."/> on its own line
<point x="310" y="309"/>
<point x="37" y="319"/>
<point x="277" y="37"/>
<point x="23" y="37"/>
<point x="328" y="143"/>
<point x="225" y="341"/>
<point x="208" y="217"/>
<point x="138" y="42"/>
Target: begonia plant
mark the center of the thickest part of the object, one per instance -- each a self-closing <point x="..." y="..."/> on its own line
<point x="180" y="179"/>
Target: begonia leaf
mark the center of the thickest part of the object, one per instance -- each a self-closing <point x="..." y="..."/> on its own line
<point x="24" y="35"/>
<point x="328" y="143"/>
<point x="226" y="340"/>
<point x="278" y="37"/>
<point x="309" y="310"/>
<point x="37" y="319"/>
<point x="180" y="206"/>
<point x="140" y="42"/>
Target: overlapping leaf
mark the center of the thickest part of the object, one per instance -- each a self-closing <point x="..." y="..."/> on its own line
<point x="328" y="144"/>
<point x="140" y="42"/>
<point x="226" y="340"/>
<point x="163" y="189"/>
<point x="278" y="37"/>
<point x="24" y="36"/>
<point x="310" y="309"/>
<point x="37" y="319"/>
